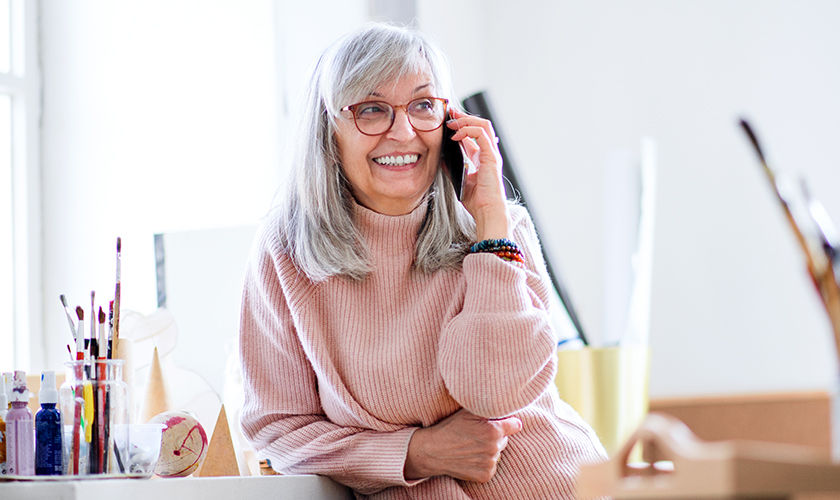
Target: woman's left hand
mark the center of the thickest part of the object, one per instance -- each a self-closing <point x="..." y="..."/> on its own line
<point x="484" y="192"/>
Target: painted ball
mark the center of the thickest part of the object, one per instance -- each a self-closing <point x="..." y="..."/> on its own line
<point x="183" y="444"/>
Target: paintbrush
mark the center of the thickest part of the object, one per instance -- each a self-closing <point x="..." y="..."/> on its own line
<point x="102" y="340"/>
<point x="67" y="313"/>
<point x="110" y="329"/>
<point x="97" y="375"/>
<point x="83" y="386"/>
<point x="824" y="227"/>
<point x="818" y="248"/>
<point x="77" y="432"/>
<point x="92" y="318"/>
<point x="102" y="399"/>
<point x="116" y="335"/>
<point x="828" y="282"/>
<point x="78" y="389"/>
<point x="80" y="337"/>
<point x="816" y="260"/>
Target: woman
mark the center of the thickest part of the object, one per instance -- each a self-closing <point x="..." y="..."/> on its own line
<point x="379" y="345"/>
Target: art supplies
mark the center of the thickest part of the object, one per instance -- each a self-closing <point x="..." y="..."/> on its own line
<point x="69" y="318"/>
<point x="157" y="395"/>
<point x="82" y="428"/>
<point x="92" y="315"/>
<point x="184" y="444"/>
<point x="4" y="409"/>
<point x="48" y="442"/>
<point x="117" y="291"/>
<point x="101" y="436"/>
<point x="80" y="334"/>
<point x="20" y="430"/>
<point x="110" y="329"/>
<point x="95" y="394"/>
<point x="813" y="231"/>
<point x="221" y="455"/>
<point x="93" y="398"/>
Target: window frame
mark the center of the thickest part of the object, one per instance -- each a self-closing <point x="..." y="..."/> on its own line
<point x="23" y="84"/>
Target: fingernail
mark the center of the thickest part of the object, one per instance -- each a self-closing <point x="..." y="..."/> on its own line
<point x="451" y="122"/>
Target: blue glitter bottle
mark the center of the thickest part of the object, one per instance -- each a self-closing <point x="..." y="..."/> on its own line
<point x="48" y="451"/>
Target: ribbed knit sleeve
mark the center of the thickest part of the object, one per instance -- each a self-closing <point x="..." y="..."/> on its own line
<point x="282" y="414"/>
<point x="497" y="354"/>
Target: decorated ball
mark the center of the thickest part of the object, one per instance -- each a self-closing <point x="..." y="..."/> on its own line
<point x="183" y="444"/>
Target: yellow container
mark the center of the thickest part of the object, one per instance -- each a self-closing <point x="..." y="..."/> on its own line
<point x="608" y="386"/>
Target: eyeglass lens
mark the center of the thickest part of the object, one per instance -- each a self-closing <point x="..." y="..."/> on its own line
<point x="376" y="117"/>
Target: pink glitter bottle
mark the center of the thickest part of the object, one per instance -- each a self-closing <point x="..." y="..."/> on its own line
<point x="20" y="431"/>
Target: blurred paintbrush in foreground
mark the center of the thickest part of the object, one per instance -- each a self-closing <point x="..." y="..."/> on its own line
<point x="814" y="232"/>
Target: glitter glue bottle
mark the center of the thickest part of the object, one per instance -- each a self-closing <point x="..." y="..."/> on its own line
<point x="48" y="450"/>
<point x="4" y="409"/>
<point x="20" y="431"/>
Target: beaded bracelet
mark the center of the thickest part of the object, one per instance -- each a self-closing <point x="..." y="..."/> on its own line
<point x="502" y="248"/>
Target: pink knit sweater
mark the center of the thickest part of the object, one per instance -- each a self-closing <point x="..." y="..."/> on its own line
<point x="338" y="375"/>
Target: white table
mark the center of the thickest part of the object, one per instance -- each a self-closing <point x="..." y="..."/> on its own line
<point x="212" y="488"/>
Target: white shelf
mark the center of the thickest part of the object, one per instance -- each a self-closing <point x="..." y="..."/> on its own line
<point x="222" y="488"/>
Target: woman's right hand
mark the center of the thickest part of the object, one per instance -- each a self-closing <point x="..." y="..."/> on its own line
<point x="463" y="445"/>
<point x="484" y="189"/>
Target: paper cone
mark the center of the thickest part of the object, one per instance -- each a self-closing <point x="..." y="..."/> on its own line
<point x="157" y="397"/>
<point x="221" y="456"/>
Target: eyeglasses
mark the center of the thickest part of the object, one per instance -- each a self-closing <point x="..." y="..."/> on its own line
<point x="377" y="117"/>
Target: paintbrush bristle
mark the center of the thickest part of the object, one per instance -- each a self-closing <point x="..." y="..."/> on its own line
<point x="63" y="300"/>
<point x="753" y="139"/>
<point x="80" y="312"/>
<point x="119" y="244"/>
<point x="101" y="315"/>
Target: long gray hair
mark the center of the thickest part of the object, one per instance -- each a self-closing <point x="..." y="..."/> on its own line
<point x="316" y="213"/>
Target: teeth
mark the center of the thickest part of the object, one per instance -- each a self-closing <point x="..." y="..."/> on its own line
<point x="397" y="160"/>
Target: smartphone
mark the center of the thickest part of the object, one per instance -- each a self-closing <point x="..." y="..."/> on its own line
<point x="453" y="158"/>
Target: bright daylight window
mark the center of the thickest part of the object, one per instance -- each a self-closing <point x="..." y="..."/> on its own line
<point x="6" y="233"/>
<point x="16" y="98"/>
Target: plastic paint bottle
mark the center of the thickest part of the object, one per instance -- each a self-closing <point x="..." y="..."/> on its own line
<point x="20" y="431"/>
<point x="48" y="459"/>
<point x="4" y="409"/>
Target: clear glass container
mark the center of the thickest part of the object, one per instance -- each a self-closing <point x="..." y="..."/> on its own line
<point x="94" y="404"/>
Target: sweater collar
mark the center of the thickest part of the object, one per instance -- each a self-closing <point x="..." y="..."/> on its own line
<point x="390" y="232"/>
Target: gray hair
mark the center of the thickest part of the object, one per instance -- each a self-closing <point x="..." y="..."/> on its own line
<point x="316" y="214"/>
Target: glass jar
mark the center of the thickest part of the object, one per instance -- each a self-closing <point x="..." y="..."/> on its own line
<point x="94" y="404"/>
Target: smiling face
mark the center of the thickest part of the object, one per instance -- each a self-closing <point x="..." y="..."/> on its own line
<point x="390" y="173"/>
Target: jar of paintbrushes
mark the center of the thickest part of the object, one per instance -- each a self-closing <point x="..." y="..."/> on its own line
<point x="94" y="409"/>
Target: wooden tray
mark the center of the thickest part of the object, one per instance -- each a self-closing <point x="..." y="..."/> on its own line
<point x="679" y="465"/>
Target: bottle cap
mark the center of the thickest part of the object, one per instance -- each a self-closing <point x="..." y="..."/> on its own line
<point x="19" y="390"/>
<point x="48" y="393"/>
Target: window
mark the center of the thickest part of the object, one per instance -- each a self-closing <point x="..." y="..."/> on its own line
<point x="19" y="232"/>
<point x="7" y="271"/>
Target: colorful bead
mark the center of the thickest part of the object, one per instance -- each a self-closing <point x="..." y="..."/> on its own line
<point x="503" y="248"/>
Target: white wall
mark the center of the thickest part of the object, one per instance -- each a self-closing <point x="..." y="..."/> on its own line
<point x="732" y="308"/>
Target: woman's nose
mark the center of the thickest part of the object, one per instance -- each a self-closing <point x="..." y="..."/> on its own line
<point x="401" y="129"/>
